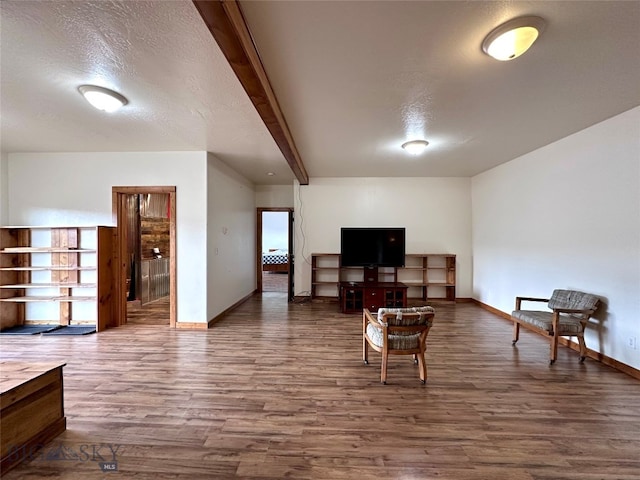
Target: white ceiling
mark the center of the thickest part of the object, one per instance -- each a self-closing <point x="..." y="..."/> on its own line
<point x="354" y="79"/>
<point x="159" y="54"/>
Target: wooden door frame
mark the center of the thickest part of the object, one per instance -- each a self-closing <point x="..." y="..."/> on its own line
<point x="260" y="211"/>
<point x="118" y="196"/>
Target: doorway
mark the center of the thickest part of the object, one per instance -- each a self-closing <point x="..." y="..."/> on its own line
<point x="274" y="266"/>
<point x="146" y="252"/>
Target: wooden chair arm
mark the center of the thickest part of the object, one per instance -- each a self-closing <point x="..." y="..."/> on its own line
<point x="369" y="318"/>
<point x="519" y="300"/>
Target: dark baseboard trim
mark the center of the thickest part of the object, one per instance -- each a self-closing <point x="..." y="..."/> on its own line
<point x="491" y="309"/>
<point x="599" y="357"/>
<point x="232" y="307"/>
<point x="464" y="300"/>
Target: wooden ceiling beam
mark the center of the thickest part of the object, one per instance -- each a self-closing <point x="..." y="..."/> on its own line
<point x="227" y="26"/>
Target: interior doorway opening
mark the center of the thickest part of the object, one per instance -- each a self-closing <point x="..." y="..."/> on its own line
<point x="148" y="216"/>
<point x="275" y="251"/>
<point x="146" y="220"/>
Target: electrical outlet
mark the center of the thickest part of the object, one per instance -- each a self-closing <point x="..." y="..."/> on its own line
<point x="631" y="343"/>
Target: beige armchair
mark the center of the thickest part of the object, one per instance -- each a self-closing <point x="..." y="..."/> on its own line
<point x="397" y="331"/>
<point x="567" y="315"/>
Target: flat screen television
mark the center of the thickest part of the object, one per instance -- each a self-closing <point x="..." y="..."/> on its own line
<point x="372" y="247"/>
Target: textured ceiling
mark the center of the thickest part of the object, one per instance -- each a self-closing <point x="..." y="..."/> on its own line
<point x="354" y="80"/>
<point x="183" y="95"/>
<point x="357" y="79"/>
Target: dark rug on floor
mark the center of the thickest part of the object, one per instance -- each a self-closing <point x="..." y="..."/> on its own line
<point x="29" y="329"/>
<point x="73" y="330"/>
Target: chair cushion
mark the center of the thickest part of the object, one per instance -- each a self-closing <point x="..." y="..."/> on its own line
<point x="574" y="300"/>
<point x="396" y="342"/>
<point x="569" y="325"/>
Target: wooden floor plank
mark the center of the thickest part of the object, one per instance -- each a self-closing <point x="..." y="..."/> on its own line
<point x="278" y="390"/>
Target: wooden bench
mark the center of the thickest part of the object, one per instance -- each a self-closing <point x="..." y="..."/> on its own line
<point x="568" y="314"/>
<point x="32" y="409"/>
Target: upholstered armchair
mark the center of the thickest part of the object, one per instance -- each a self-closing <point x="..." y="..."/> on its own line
<point x="567" y="315"/>
<point x="397" y="331"/>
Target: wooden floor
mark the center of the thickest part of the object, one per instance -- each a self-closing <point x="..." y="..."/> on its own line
<point x="275" y="282"/>
<point x="279" y="390"/>
<point x="154" y="313"/>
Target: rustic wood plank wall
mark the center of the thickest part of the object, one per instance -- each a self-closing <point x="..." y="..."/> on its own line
<point x="154" y="232"/>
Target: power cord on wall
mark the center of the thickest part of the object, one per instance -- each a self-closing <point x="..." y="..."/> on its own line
<point x="304" y="296"/>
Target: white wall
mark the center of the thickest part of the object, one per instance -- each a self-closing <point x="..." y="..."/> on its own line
<point x="75" y="189"/>
<point x="274" y="196"/>
<point x="567" y="216"/>
<point x="4" y="188"/>
<point x="231" y="237"/>
<point x="436" y="213"/>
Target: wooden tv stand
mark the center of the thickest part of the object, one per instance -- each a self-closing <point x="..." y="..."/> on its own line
<point x="354" y="296"/>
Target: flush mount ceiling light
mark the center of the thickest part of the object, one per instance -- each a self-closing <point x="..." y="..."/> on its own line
<point x="513" y="38"/>
<point x="415" y="147"/>
<point x="102" y="98"/>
